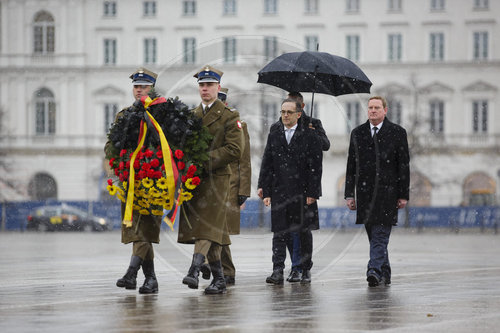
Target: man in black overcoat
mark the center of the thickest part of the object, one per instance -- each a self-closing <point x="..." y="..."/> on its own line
<point x="378" y="183"/>
<point x="315" y="124"/>
<point x="290" y="179"/>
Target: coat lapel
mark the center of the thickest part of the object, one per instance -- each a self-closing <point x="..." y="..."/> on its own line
<point x="211" y="116"/>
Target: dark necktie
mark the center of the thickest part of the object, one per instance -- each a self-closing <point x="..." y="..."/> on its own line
<point x="375" y="129"/>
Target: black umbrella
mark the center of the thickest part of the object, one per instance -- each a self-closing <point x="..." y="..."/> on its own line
<point x="316" y="72"/>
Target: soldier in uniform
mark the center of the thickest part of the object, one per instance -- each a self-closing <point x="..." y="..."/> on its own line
<point x="145" y="229"/>
<point x="239" y="191"/>
<point x="203" y="218"/>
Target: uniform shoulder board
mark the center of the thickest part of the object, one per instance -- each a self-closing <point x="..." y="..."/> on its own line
<point x="230" y="108"/>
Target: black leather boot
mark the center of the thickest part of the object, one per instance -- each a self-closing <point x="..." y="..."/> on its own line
<point x="191" y="279"/>
<point x="128" y="281"/>
<point x="205" y="271"/>
<point x="150" y="285"/>
<point x="276" y="277"/>
<point x="218" y="285"/>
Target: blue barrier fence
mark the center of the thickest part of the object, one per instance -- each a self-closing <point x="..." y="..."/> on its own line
<point x="14" y="215"/>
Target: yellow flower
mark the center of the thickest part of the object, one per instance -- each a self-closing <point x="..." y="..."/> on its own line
<point x="143" y="203"/>
<point x="145" y="194"/>
<point x="162" y="183"/>
<point x="120" y="191"/>
<point x="137" y="183"/>
<point x="157" y="212"/>
<point x="154" y="192"/>
<point x="168" y="205"/>
<point x="158" y="202"/>
<point x="147" y="183"/>
<point x="119" y="196"/>
<point x="144" y="212"/>
<point x="185" y="196"/>
<point x="125" y="185"/>
<point x="111" y="189"/>
<point x="189" y="184"/>
<point x="137" y="207"/>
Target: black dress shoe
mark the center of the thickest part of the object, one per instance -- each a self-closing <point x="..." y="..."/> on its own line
<point x="275" y="278"/>
<point x="294" y="276"/>
<point x="229" y="280"/>
<point x="306" y="277"/>
<point x="386" y="280"/>
<point x="373" y="280"/>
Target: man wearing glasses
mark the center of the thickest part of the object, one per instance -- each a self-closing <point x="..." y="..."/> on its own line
<point x="290" y="179"/>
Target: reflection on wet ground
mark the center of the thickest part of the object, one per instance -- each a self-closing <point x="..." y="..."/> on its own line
<point x="65" y="283"/>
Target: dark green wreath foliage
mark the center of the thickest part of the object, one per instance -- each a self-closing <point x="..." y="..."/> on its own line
<point x="181" y="127"/>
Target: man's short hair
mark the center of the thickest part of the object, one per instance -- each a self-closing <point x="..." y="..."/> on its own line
<point x="295" y="95"/>
<point x="298" y="106"/>
<point x="380" y="98"/>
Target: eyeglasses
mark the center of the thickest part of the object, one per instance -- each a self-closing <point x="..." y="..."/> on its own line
<point x="286" y="113"/>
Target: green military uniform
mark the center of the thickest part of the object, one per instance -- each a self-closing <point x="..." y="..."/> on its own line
<point x="240" y="185"/>
<point x="204" y="216"/>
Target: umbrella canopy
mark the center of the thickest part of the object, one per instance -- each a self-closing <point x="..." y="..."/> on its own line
<point x="316" y="72"/>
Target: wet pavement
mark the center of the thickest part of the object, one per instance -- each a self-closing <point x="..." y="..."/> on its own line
<point x="65" y="282"/>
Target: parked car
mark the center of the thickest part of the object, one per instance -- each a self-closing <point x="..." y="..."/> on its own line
<point x="65" y="217"/>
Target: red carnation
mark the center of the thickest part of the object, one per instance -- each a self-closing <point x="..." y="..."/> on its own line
<point x="117" y="172"/>
<point x="110" y="182"/>
<point x="137" y="164"/>
<point x="127" y="165"/>
<point x="149" y="153"/>
<point x="141" y="174"/>
<point x="155" y="163"/>
<point x="181" y="165"/>
<point x="151" y="173"/>
<point x="111" y="162"/>
<point x="121" y="177"/>
<point x="140" y="155"/>
<point x="146" y="166"/>
<point x="121" y="166"/>
<point x="196" y="181"/>
<point x="163" y="167"/>
<point x="184" y="178"/>
<point x="123" y="152"/>
<point x="159" y="154"/>
<point x="158" y="174"/>
<point x="179" y="154"/>
<point x="191" y="171"/>
<point x="125" y="174"/>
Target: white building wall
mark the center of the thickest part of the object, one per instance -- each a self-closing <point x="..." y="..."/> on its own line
<point x="82" y="84"/>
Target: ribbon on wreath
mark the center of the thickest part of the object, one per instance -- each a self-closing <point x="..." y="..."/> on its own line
<point x="171" y="172"/>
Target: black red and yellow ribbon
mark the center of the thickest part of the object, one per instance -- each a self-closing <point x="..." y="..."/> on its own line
<point x="171" y="172"/>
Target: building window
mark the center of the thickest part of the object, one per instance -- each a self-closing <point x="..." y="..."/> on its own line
<point x="394" y="5"/>
<point x="311" y="6"/>
<point x="480" y="45"/>
<point x="149" y="8"/>
<point x="311" y="43"/>
<point x="395" y="112"/>
<point x="437" y="5"/>
<point x="110" y="111"/>
<point x="395" y="47"/>
<point x="45" y="112"/>
<point x="229" y="7"/>
<point x="480" y="116"/>
<point x="436" y="117"/>
<point x="189" y="48"/>
<point x="42" y="187"/>
<point x="109" y="51"/>
<point x="189" y="7"/>
<point x="270" y="48"/>
<point x="481" y="4"/>
<point x="353" y="110"/>
<point x="43" y="33"/>
<point x="271" y="7"/>
<point x="230" y="50"/>
<point x="150" y="50"/>
<point x="437" y="46"/>
<point x="109" y="9"/>
<point x="352" y="47"/>
<point x="352" y="6"/>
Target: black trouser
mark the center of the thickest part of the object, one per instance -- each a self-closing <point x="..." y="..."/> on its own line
<point x="280" y="241"/>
